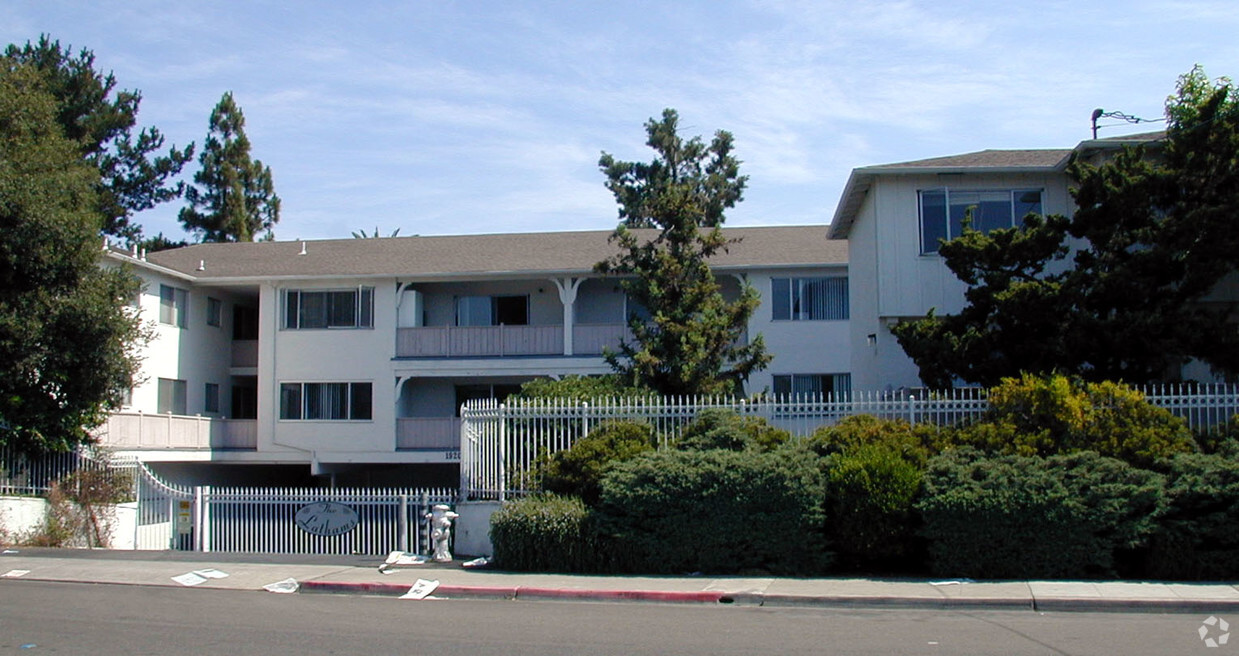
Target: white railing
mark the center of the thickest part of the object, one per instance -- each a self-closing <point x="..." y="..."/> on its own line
<point x="500" y="443"/>
<point x="245" y="353"/>
<point x="593" y="339"/>
<point x="33" y="474"/>
<point x="137" y="430"/>
<point x="476" y="341"/>
<point x="263" y="520"/>
<point x="428" y="433"/>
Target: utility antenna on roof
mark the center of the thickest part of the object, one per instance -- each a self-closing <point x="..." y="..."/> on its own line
<point x="302" y="249"/>
<point x="1100" y="113"/>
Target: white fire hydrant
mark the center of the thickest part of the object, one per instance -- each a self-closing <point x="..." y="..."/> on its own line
<point x="441" y="517"/>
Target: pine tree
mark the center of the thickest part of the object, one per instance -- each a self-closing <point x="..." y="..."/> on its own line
<point x="691" y="340"/>
<point x="101" y="122"/>
<point x="233" y="198"/>
<point x="1156" y="233"/>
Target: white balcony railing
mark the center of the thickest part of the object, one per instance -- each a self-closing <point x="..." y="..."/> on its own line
<point x="428" y="433"/>
<point x="245" y="353"/>
<point x="137" y="430"/>
<point x="473" y="341"/>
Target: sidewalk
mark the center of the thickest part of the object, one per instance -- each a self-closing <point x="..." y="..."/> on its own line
<point x="360" y="575"/>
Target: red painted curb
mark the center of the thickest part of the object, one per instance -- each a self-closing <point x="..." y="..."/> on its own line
<point x="632" y="595"/>
<point x="516" y="592"/>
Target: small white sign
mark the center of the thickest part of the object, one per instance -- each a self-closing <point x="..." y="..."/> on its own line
<point x="421" y="589"/>
<point x="189" y="579"/>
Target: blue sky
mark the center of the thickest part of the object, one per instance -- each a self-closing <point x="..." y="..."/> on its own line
<point x="480" y="116"/>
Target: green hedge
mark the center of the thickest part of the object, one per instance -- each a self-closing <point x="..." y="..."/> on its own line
<point x="716" y="511"/>
<point x="1029" y="517"/>
<point x="546" y="533"/>
<point x="577" y="471"/>
<point x="870" y="519"/>
<point x="718" y="428"/>
<point x="1198" y="537"/>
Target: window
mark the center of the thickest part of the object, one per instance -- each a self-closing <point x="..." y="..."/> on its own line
<point x="211" y="399"/>
<point x="810" y="299"/>
<point x="171" y="396"/>
<point x="345" y="308"/>
<point x="215" y="312"/>
<point x="173" y="304"/>
<point x="812" y="385"/>
<point x="492" y="310"/>
<point x="326" y="401"/>
<point x="943" y="212"/>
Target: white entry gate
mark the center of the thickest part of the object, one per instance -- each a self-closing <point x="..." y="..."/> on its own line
<point x="266" y="520"/>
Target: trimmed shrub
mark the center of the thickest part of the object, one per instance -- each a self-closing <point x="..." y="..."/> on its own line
<point x="1198" y="537"/>
<point x="1044" y="416"/>
<point x="719" y="428"/>
<point x="580" y="388"/>
<point x="577" y="471"/>
<point x="716" y="511"/>
<point x="1031" y="517"/>
<point x="913" y="443"/>
<point x="870" y="519"/>
<point x="546" y="533"/>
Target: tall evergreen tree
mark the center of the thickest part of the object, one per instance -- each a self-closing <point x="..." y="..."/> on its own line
<point x="233" y="198"/>
<point x="67" y="342"/>
<point x="690" y="342"/>
<point x="101" y="122"/>
<point x="1155" y="233"/>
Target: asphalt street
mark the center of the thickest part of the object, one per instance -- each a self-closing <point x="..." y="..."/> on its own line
<point x="73" y="618"/>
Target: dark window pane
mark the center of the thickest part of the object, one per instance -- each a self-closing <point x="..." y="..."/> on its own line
<point x="361" y="401"/>
<point x="933" y="220"/>
<point x="780" y="293"/>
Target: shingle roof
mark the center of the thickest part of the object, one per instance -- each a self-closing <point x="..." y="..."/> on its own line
<point x="474" y="255"/>
<point x="985" y="159"/>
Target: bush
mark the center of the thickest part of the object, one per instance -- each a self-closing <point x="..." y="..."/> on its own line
<point x="579" y="388"/>
<point x="577" y="471"/>
<point x="718" y="428"/>
<point x="1198" y="537"/>
<point x="870" y="519"/>
<point x="913" y="443"/>
<point x="546" y="533"/>
<point x="716" y="511"/>
<point x="1044" y="416"/>
<point x="1032" y="517"/>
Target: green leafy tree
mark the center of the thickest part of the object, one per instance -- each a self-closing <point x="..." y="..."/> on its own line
<point x="1154" y="234"/>
<point x="233" y="198"/>
<point x="692" y="340"/>
<point x="67" y="342"/>
<point x="101" y="121"/>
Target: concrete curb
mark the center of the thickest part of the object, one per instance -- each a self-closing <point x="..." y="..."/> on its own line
<point x="516" y="592"/>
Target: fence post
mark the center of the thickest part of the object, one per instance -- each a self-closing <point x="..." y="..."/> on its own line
<point x="421" y="512"/>
<point x="503" y="453"/>
<point x="912" y="409"/>
<point x="198" y="519"/>
<point x="403" y="523"/>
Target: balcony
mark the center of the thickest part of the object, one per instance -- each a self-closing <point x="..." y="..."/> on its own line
<point x="136" y="430"/>
<point x="428" y="433"/>
<point x="245" y="353"/>
<point x="504" y="341"/>
<point x="479" y="341"/>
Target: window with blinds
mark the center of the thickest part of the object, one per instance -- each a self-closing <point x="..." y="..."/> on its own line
<point x="810" y="299"/>
<point x="326" y="401"/>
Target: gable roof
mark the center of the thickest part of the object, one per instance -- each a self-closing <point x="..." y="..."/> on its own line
<point x="476" y="256"/>
<point x="983" y="161"/>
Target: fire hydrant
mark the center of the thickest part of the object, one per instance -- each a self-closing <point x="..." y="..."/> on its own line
<point x="441" y="518"/>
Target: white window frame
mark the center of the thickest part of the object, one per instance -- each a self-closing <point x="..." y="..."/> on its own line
<point x="948" y="223"/>
<point x="840" y="385"/>
<point x="172" y="396"/>
<point x="363" y="309"/>
<point x="794" y="303"/>
<point x="173" y="306"/>
<point x="304" y="393"/>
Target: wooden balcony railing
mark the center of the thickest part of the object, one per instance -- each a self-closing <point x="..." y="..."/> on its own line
<point x="137" y="430"/>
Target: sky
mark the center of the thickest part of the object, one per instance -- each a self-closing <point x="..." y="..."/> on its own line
<point x="489" y="116"/>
